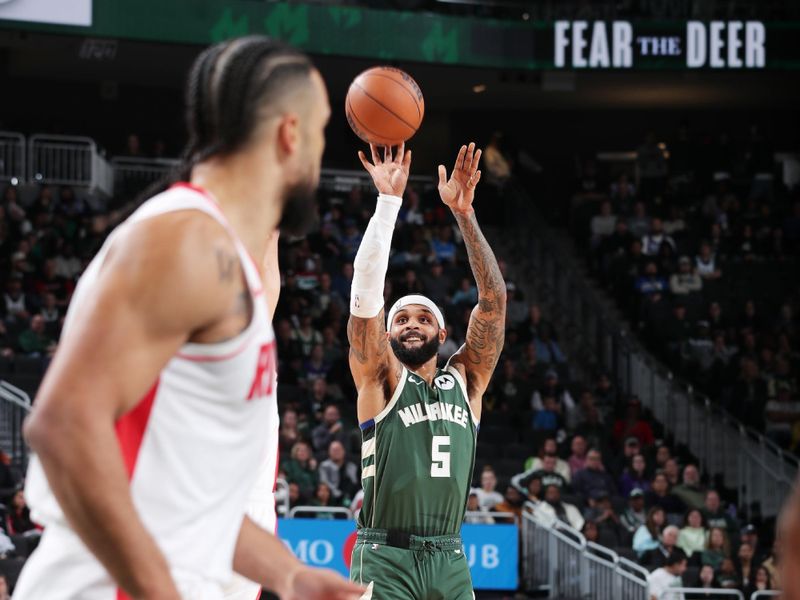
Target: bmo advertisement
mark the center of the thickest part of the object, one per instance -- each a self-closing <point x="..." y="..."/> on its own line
<point x="491" y="550"/>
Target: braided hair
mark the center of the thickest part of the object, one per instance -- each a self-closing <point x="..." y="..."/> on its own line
<point x="231" y="86"/>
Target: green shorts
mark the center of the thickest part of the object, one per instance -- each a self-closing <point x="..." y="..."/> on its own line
<point x="411" y="568"/>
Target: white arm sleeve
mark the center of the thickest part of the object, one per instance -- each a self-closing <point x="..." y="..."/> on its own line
<point x="372" y="259"/>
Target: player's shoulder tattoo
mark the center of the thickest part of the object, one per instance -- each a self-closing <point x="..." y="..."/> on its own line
<point x="226" y="264"/>
<point x="367" y="338"/>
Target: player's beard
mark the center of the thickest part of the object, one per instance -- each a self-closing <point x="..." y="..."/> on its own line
<point x="299" y="208"/>
<point x="418" y="356"/>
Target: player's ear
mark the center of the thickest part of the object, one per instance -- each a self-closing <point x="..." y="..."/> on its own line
<point x="442" y="335"/>
<point x="289" y="134"/>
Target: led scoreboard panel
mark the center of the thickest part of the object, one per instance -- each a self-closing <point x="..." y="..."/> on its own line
<point x="619" y="44"/>
<point x="387" y="35"/>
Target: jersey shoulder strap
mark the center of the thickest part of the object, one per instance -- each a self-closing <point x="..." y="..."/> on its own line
<point x="185" y="196"/>
<point x="448" y="368"/>
<point x="398" y="391"/>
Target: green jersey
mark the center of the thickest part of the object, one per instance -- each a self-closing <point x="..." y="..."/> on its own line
<point x="417" y="457"/>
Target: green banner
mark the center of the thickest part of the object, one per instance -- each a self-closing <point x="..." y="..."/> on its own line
<point x="427" y="37"/>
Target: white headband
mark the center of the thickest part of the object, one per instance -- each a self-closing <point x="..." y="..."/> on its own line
<point x="415" y="299"/>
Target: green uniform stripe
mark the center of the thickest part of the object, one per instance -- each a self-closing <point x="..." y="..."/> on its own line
<point x="422" y="451"/>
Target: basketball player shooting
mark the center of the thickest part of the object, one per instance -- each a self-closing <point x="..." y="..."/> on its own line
<point x="149" y="427"/>
<point x="419" y="423"/>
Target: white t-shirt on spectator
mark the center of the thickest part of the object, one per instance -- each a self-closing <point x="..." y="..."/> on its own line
<point x="651" y="243"/>
<point x="6" y="545"/>
<point x="603" y="226"/>
<point x="662" y="580"/>
<point x="68" y="267"/>
<point x="562" y="467"/>
<point x="571" y="513"/>
<point x="487" y="500"/>
<point x="479" y="517"/>
<point x="674" y="226"/>
<point x="705" y="268"/>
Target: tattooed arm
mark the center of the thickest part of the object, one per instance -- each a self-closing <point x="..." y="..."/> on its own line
<point x="370" y="364"/>
<point x="375" y="369"/>
<point x="477" y="358"/>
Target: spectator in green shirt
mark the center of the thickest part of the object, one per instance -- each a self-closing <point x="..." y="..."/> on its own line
<point x="691" y="490"/>
<point x="717" y="549"/>
<point x="34" y="341"/>
<point x="716" y="516"/>
<point x="301" y="469"/>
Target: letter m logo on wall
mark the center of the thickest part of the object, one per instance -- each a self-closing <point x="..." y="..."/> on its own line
<point x="440" y="45"/>
<point x="288" y="23"/>
<point x="228" y="26"/>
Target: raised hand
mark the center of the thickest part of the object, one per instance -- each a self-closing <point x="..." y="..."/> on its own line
<point x="321" y="584"/>
<point x="458" y="192"/>
<point x="389" y="174"/>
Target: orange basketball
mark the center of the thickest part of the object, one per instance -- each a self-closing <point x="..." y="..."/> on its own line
<point x="384" y="106"/>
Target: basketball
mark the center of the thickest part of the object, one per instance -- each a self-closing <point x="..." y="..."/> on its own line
<point x="384" y="106"/>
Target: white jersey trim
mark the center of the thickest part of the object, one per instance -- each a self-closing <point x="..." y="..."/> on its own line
<point x="463" y="385"/>
<point x="395" y="397"/>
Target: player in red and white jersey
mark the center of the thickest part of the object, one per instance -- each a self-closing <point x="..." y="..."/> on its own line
<point x="149" y="427"/>
<point x="261" y="506"/>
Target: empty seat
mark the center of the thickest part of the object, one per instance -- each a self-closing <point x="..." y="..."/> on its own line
<point x="487" y="452"/>
<point x="626" y="552"/>
<point x="495" y="435"/>
<point x="493" y="418"/>
<point x="506" y="468"/>
<point x="28" y="365"/>
<point x="517" y="451"/>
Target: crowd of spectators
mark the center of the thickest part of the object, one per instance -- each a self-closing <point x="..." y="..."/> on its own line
<point x="578" y="451"/>
<point x="700" y="247"/>
<point x="44" y="246"/>
<point x="628" y="491"/>
<point x="19" y="535"/>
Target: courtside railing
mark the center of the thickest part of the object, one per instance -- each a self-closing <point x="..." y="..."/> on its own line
<point x="77" y="161"/>
<point x="341" y="180"/>
<point x="489" y="518"/>
<point x="680" y="594"/>
<point x="759" y="470"/>
<point x="320" y="512"/>
<point x="558" y="560"/>
<point x="281" y="497"/>
<point x="12" y="157"/>
<point x="15" y="405"/>
<point x="69" y="160"/>
<point x="134" y="174"/>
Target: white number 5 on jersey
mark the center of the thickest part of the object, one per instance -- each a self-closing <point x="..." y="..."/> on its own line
<point x="440" y="467"/>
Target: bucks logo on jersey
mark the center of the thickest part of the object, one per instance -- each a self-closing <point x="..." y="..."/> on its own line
<point x="418" y="455"/>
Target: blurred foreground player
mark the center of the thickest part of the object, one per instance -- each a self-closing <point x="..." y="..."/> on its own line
<point x="261" y="507"/>
<point x="419" y="423"/>
<point x="789" y="545"/>
<point x="149" y="426"/>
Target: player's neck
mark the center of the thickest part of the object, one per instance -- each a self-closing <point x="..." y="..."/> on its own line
<point x="249" y="198"/>
<point x="426" y="371"/>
